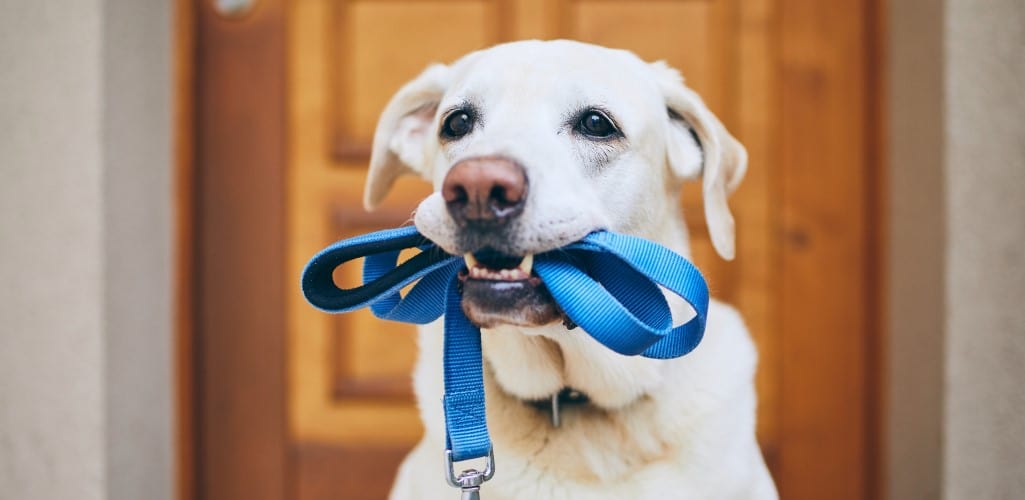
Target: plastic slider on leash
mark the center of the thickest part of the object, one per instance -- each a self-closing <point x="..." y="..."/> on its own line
<point x="609" y="284"/>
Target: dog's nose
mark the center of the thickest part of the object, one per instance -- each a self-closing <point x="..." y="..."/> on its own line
<point x="488" y="191"/>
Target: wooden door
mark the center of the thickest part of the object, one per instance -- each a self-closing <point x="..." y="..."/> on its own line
<point x="790" y="78"/>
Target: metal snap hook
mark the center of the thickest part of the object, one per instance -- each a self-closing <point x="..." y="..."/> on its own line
<point x="470" y="480"/>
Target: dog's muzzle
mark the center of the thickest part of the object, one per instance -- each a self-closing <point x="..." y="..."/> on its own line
<point x="485" y="196"/>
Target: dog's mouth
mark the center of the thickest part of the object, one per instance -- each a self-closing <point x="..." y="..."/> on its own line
<point x="501" y="289"/>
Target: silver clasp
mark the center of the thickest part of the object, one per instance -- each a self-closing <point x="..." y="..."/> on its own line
<point x="469" y="480"/>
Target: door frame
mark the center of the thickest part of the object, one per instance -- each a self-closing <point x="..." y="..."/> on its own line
<point x="183" y="210"/>
<point x="229" y="222"/>
<point x="234" y="444"/>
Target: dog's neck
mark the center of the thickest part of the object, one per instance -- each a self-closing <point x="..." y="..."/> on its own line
<point x="567" y="397"/>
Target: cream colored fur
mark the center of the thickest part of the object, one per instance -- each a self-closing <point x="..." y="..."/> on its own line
<point x="666" y="429"/>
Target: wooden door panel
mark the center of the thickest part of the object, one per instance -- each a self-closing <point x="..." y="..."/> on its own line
<point x="379" y="45"/>
<point x="677" y="32"/>
<point x="350" y="410"/>
<point x="285" y="99"/>
<point x="350" y="387"/>
<point x="342" y="472"/>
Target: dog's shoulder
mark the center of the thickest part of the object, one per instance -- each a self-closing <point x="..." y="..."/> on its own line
<point x="726" y="327"/>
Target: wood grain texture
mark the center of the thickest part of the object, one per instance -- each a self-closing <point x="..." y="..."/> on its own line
<point x="825" y="278"/>
<point x="377" y="46"/>
<point x="756" y="208"/>
<point x="240" y="230"/>
<point x="327" y="472"/>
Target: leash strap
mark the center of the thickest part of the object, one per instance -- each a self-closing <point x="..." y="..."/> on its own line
<point x="609" y="284"/>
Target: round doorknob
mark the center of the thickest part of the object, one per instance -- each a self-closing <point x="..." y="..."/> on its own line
<point x="233" y="8"/>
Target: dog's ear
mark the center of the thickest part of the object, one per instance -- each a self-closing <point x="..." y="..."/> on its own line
<point x="403" y="132"/>
<point x="698" y="144"/>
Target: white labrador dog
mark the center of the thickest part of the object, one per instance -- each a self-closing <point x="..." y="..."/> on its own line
<point x="530" y="146"/>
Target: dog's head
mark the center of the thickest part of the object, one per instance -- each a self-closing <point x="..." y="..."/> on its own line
<point x="532" y="145"/>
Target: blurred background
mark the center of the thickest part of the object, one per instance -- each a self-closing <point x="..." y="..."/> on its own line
<point x="166" y="168"/>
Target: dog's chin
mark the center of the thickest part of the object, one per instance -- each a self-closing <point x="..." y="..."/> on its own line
<point x="525" y="302"/>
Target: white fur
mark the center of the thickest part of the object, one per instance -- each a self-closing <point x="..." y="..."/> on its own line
<point x="680" y="428"/>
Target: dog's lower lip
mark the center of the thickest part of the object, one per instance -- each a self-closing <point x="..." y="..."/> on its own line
<point x="525" y="302"/>
<point x="499" y="288"/>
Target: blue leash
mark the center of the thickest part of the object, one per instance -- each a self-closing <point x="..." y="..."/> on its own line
<point x="607" y="283"/>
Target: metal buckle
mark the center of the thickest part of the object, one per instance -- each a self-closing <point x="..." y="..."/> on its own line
<point x="469" y="480"/>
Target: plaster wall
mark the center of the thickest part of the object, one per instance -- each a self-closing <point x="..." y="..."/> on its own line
<point x="984" y="429"/>
<point x="955" y="416"/>
<point x="85" y="343"/>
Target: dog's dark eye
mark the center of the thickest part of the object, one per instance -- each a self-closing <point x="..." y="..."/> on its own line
<point x="595" y="124"/>
<point x="457" y="124"/>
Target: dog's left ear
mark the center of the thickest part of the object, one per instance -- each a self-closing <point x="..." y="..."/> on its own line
<point x="716" y="156"/>
<point x="405" y="127"/>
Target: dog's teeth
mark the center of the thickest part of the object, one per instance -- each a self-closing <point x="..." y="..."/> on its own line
<point x="477" y="270"/>
<point x="527" y="264"/>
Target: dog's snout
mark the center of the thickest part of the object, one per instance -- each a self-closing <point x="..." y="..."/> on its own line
<point x="485" y="191"/>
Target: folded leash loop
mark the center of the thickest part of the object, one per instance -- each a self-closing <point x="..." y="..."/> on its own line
<point x="382" y="279"/>
<point x="667" y="268"/>
<point x="603" y="315"/>
<point x="609" y="284"/>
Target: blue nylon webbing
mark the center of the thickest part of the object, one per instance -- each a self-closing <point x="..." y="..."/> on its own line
<point x="607" y="283"/>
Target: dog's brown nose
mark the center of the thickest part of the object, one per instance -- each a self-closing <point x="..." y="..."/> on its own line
<point x="488" y="191"/>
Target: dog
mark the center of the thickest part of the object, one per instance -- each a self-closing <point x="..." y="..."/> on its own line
<point x="532" y="145"/>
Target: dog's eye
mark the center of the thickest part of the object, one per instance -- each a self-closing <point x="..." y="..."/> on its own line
<point x="595" y="124"/>
<point x="457" y="124"/>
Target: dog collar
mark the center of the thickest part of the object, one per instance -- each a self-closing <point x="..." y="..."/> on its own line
<point x="609" y="284"/>
<point x="568" y="396"/>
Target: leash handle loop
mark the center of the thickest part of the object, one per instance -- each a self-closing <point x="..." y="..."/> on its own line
<point x="382" y="278"/>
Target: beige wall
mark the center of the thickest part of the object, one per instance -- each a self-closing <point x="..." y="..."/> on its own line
<point x="85" y="341"/>
<point x="956" y="407"/>
<point x="51" y="255"/>
<point x="984" y="433"/>
<point x="137" y="250"/>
